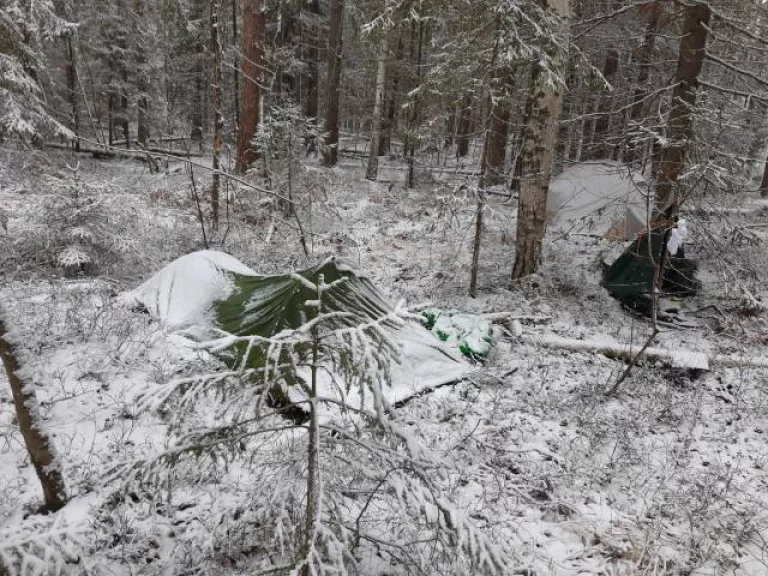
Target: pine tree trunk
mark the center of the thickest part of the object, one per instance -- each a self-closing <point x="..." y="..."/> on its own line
<point x="196" y="134"/>
<point x="644" y="58"/>
<point x="450" y="128"/>
<point x="603" y="122"/>
<point x="385" y="141"/>
<point x="218" y="114"/>
<point x="142" y="133"/>
<point x="378" y="107"/>
<point x="124" y="110"/>
<point x="254" y="24"/>
<point x="235" y="67"/>
<point x="690" y="59"/>
<point x="764" y="183"/>
<point x="311" y="104"/>
<point x="331" y="153"/>
<point x="111" y="117"/>
<point x="36" y="440"/>
<point x="72" y="90"/>
<point x="496" y="143"/>
<point x="413" y="119"/>
<point x="538" y="155"/>
<point x="463" y="127"/>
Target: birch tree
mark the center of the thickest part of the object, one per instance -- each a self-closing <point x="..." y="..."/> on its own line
<point x="372" y="170"/>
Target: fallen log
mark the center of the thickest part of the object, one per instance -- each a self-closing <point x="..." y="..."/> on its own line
<point x="679" y="358"/>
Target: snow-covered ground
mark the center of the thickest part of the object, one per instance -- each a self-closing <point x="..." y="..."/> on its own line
<point x="667" y="476"/>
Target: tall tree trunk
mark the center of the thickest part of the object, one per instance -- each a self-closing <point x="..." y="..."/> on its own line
<point x="450" y="128"/>
<point x="541" y="119"/>
<point x="72" y="90"/>
<point x="218" y="114"/>
<point x="124" y="110"/>
<point x="331" y="152"/>
<point x="254" y="24"/>
<point x="413" y="119"/>
<point x="199" y="75"/>
<point x="236" y="67"/>
<point x="498" y="83"/>
<point x="378" y="106"/>
<point x="644" y="59"/>
<point x="142" y="132"/>
<point x="196" y="134"/>
<point x="38" y="444"/>
<point x="312" y="38"/>
<point x="601" y="149"/>
<point x="764" y="184"/>
<point x="111" y="96"/>
<point x="496" y="142"/>
<point x="385" y="140"/>
<point x="690" y="59"/>
<point x="463" y="127"/>
<point x="142" y="84"/>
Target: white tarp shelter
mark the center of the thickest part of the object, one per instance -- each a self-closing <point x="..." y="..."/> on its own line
<point x="603" y="198"/>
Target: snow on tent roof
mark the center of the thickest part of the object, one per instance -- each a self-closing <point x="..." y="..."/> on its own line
<point x="210" y="290"/>
<point x="182" y="294"/>
<point x="603" y="198"/>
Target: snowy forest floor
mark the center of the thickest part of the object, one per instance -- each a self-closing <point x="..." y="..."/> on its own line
<point x="666" y="477"/>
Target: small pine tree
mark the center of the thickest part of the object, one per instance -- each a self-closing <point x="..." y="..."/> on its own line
<point x="75" y="226"/>
<point x="347" y="489"/>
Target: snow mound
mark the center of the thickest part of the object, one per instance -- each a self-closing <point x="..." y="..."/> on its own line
<point x="182" y="294"/>
<point x="603" y="198"/>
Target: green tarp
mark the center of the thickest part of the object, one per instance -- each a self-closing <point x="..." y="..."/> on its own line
<point x="266" y="305"/>
<point x="630" y="278"/>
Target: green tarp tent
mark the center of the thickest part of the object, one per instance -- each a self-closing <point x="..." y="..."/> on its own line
<point x="206" y="294"/>
<point x="630" y="278"/>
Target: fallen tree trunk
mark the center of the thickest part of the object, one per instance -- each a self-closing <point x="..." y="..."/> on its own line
<point x="111" y="152"/>
<point x="39" y="446"/>
<point x="680" y="358"/>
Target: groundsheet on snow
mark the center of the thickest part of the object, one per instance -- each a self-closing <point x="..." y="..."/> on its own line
<point x="203" y="294"/>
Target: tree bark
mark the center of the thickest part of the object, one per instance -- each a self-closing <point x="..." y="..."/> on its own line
<point x="680" y="122"/>
<point x="644" y="59"/>
<point x="254" y="24"/>
<point x="600" y="147"/>
<point x="36" y="440"/>
<point x="123" y="120"/>
<point x="196" y="134"/>
<point x="311" y="105"/>
<point x="331" y="152"/>
<point x="413" y="118"/>
<point x="235" y="67"/>
<point x="142" y="84"/>
<point x="218" y="114"/>
<point x="72" y="90"/>
<point x="764" y="184"/>
<point x="378" y="106"/>
<point x="496" y="143"/>
<point x="463" y="127"/>
<point x="541" y="120"/>
<point x="385" y="140"/>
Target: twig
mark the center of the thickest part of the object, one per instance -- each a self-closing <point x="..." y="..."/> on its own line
<point x="200" y="217"/>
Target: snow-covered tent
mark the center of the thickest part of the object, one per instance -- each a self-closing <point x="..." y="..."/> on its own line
<point x="603" y="198"/>
<point x="204" y="293"/>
